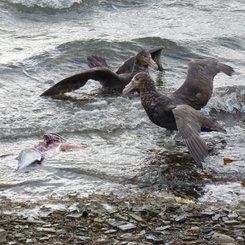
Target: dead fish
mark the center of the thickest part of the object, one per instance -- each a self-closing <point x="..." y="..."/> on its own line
<point x="28" y="157"/>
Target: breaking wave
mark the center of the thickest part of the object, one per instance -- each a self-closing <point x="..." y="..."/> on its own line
<point x="55" y="4"/>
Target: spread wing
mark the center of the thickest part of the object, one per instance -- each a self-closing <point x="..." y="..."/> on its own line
<point x="198" y="86"/>
<point x="104" y="75"/>
<point x="156" y="54"/>
<point x="188" y="122"/>
<point x="96" y="61"/>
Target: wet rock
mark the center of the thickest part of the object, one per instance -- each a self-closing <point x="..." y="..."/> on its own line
<point x="45" y="238"/>
<point x="3" y="236"/>
<point x="136" y="217"/>
<point x="126" y="227"/>
<point x="233" y="216"/>
<point x="135" y="243"/>
<point x="111" y="231"/>
<point x="222" y="238"/>
<point x="121" y="217"/>
<point x="110" y="209"/>
<point x="48" y="230"/>
<point x="195" y="230"/>
<point x="180" y="218"/>
<point x="154" y="239"/>
<point x="208" y="212"/>
<point x="162" y="228"/>
<point x="83" y="238"/>
<point x="103" y="241"/>
<point x="115" y="223"/>
<point x="130" y="237"/>
<point x="75" y="207"/>
<point x="216" y="217"/>
<point x="74" y="216"/>
<point x="29" y="241"/>
<point x="231" y="222"/>
<point x="139" y="219"/>
<point x="240" y="239"/>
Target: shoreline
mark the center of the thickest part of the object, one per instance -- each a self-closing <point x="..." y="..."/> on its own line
<point x="145" y="218"/>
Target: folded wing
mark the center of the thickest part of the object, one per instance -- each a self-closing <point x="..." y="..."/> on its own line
<point x="188" y="122"/>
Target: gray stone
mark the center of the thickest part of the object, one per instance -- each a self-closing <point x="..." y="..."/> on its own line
<point x="111" y="231"/>
<point x="222" y="238"/>
<point x="136" y="217"/>
<point x="216" y="217"/>
<point x="109" y="208"/>
<point x="126" y="227"/>
<point x="74" y="216"/>
<point x="240" y="239"/>
<point x="48" y="230"/>
<point x="3" y="236"/>
<point x="208" y="212"/>
<point x="115" y="223"/>
<point x="130" y="236"/>
<point x="162" y="228"/>
<point x="231" y="222"/>
<point x="180" y="218"/>
<point x="18" y="235"/>
<point x="194" y="230"/>
<point x="83" y="238"/>
<point x="232" y="216"/>
<point x="135" y="243"/>
<point x="153" y="239"/>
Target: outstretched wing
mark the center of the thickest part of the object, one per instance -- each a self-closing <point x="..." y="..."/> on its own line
<point x="198" y="86"/>
<point x="96" y="61"/>
<point x="188" y="122"/>
<point x="156" y="55"/>
<point x="104" y="75"/>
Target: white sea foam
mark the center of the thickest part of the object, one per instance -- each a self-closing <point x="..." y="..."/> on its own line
<point x="56" y="4"/>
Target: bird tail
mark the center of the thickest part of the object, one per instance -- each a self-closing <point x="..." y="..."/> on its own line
<point x="211" y="125"/>
<point x="228" y="70"/>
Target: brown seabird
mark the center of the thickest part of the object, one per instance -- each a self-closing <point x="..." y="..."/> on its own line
<point x="104" y="75"/>
<point x="172" y="113"/>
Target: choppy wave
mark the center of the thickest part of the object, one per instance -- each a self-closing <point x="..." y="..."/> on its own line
<point x="56" y="4"/>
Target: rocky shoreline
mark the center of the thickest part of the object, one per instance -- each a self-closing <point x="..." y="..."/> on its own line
<point x="146" y="218"/>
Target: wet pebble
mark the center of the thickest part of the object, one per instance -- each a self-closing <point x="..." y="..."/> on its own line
<point x="145" y="219"/>
<point x="126" y="227"/>
<point x="154" y="239"/>
<point x="3" y="236"/>
<point x="220" y="238"/>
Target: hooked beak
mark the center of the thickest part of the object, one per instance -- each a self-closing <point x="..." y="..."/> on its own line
<point x="129" y="87"/>
<point x="153" y="64"/>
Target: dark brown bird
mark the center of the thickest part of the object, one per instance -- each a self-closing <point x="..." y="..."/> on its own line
<point x="104" y="75"/>
<point x="198" y="86"/>
<point x="171" y="113"/>
<point x="127" y="66"/>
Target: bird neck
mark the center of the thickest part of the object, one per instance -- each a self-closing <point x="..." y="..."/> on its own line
<point x="139" y="67"/>
<point x="148" y="87"/>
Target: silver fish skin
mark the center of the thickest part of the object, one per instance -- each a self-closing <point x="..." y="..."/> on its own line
<point x="28" y="157"/>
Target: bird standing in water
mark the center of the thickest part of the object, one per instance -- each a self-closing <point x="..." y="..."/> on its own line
<point x="174" y="113"/>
